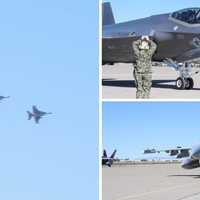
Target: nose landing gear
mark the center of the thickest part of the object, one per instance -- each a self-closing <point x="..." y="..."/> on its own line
<point x="185" y="80"/>
<point x="184" y="83"/>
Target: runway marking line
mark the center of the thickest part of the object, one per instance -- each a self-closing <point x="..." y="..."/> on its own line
<point x="156" y="191"/>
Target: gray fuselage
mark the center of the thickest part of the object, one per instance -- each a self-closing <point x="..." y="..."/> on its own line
<point x="175" y="39"/>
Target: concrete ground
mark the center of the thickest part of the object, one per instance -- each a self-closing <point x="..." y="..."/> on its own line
<point x="118" y="83"/>
<point x="151" y="182"/>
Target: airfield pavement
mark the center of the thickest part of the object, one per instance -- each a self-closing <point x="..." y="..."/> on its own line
<point x="118" y="83"/>
<point x="150" y="182"/>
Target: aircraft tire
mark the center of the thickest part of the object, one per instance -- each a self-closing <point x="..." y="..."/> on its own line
<point x="180" y="83"/>
<point x="190" y="84"/>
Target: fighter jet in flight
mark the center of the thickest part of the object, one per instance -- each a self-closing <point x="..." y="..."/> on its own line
<point x="36" y="114"/>
<point x="108" y="161"/>
<point x="3" y="97"/>
<point x="191" y="156"/>
<point x="176" y="34"/>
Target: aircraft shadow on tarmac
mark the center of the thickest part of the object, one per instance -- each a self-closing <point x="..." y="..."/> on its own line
<point x="131" y="83"/>
<point x="186" y="175"/>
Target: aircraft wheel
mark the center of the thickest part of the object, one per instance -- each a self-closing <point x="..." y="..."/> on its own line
<point x="180" y="83"/>
<point x="190" y="84"/>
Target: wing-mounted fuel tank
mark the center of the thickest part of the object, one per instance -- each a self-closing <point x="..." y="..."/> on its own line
<point x="190" y="163"/>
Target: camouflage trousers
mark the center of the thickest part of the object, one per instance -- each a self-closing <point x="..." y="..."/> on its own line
<point x="143" y="84"/>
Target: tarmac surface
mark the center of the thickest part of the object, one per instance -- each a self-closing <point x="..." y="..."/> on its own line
<point x="118" y="83"/>
<point x="151" y="182"/>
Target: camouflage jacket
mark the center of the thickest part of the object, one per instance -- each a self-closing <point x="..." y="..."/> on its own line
<point x="143" y="57"/>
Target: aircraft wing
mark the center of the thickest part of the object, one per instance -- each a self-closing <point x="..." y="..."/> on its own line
<point x="36" y="111"/>
<point x="37" y="119"/>
<point x="179" y="152"/>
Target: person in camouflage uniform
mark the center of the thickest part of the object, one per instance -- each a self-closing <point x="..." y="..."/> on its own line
<point x="144" y="49"/>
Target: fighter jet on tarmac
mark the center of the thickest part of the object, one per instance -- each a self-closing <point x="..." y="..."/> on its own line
<point x="148" y="151"/>
<point x="108" y="161"/>
<point x="176" y="34"/>
<point x="191" y="156"/>
<point x="3" y="97"/>
<point x="36" y="114"/>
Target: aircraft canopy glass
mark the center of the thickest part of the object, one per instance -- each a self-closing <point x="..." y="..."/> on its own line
<point x="190" y="15"/>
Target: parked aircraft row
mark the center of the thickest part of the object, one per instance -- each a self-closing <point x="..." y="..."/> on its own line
<point x="190" y="156"/>
<point x="176" y="34"/>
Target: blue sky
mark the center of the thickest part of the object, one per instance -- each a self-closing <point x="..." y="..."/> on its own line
<point x="128" y="10"/>
<point x="131" y="127"/>
<point x="49" y="57"/>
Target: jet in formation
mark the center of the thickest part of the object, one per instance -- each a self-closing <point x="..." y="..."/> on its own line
<point x="108" y="161"/>
<point x="190" y="156"/>
<point x="176" y="34"/>
<point x="36" y="114"/>
<point x="3" y="97"/>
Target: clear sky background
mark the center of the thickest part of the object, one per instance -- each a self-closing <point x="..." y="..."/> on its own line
<point x="131" y="127"/>
<point x="129" y="9"/>
<point x="49" y="58"/>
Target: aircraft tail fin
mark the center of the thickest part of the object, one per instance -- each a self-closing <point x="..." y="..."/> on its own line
<point x="104" y="154"/>
<point x="113" y="154"/>
<point x="30" y="115"/>
<point x="107" y="14"/>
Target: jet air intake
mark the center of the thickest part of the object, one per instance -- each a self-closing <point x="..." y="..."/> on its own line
<point x="190" y="164"/>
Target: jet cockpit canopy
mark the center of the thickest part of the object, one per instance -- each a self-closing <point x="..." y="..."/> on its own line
<point x="189" y="15"/>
